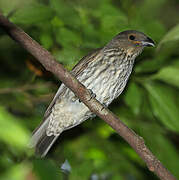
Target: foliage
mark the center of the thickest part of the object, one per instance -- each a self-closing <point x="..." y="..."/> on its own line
<point x="149" y="105"/>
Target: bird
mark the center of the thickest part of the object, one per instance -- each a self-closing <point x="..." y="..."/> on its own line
<point x="105" y="72"/>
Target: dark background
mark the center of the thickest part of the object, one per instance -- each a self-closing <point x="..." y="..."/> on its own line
<point x="70" y="29"/>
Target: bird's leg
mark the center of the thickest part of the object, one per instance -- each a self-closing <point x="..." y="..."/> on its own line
<point x="104" y="107"/>
<point x="92" y="95"/>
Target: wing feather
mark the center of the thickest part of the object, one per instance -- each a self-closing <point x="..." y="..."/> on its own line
<point x="40" y="140"/>
<point x="77" y="69"/>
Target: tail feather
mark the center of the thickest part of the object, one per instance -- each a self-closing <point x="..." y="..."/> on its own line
<point x="44" y="145"/>
<point x="38" y="133"/>
<point x="40" y="141"/>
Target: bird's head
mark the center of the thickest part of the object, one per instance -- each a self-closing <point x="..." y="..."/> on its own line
<point x="131" y="41"/>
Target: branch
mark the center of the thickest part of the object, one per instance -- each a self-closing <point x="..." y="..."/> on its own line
<point x="24" y="88"/>
<point x="48" y="61"/>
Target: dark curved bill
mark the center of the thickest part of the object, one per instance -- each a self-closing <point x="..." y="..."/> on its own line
<point x="148" y="42"/>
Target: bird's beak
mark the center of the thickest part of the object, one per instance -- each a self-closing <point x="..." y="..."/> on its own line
<point x="148" y="42"/>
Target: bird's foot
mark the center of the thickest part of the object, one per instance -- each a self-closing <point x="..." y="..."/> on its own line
<point x="92" y="95"/>
<point x="104" y="107"/>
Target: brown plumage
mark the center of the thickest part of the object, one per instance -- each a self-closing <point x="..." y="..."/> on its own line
<point x="105" y="71"/>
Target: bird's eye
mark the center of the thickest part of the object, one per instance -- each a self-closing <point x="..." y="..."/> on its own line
<point x="131" y="37"/>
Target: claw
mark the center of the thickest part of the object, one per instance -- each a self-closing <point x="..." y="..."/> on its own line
<point x="92" y="95"/>
<point x="104" y="107"/>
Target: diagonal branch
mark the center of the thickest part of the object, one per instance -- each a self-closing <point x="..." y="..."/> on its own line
<point x="48" y="61"/>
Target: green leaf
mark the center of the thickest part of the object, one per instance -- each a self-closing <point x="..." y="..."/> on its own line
<point x="169" y="155"/>
<point x="57" y="22"/>
<point x="17" y="172"/>
<point x="12" y="132"/>
<point x="94" y="153"/>
<point x="149" y="6"/>
<point x="142" y="14"/>
<point x="68" y="38"/>
<point x="160" y="145"/>
<point x="66" y="11"/>
<point x="68" y="56"/>
<point x="133" y="97"/>
<point x="172" y="35"/>
<point x="43" y="167"/>
<point x="162" y="99"/>
<point x="169" y="74"/>
<point x="150" y="64"/>
<point x="33" y="13"/>
<point x="105" y="131"/>
<point x="8" y="6"/>
<point x="110" y="22"/>
<point x="46" y="40"/>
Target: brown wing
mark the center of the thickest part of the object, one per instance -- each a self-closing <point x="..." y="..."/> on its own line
<point x="83" y="63"/>
<point x="77" y="69"/>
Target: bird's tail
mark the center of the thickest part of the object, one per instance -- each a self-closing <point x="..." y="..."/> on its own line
<point x="40" y="141"/>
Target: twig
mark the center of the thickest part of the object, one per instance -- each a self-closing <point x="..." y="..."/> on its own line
<point x="24" y="88"/>
<point x="48" y="61"/>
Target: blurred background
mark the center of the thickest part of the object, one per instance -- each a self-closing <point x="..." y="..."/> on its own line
<point x="70" y="29"/>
